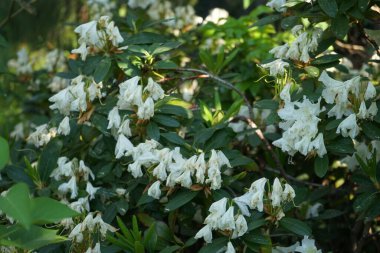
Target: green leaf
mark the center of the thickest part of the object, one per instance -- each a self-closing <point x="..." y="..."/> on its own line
<point x="165" y="47"/>
<point x="341" y="146"/>
<point x="205" y="112"/>
<point x="32" y="239"/>
<point x="165" y="65"/>
<point x="150" y="238"/>
<point x="4" y="153"/>
<point x="173" y="138"/>
<point x="256" y="223"/>
<point x="170" y="249"/>
<point x="48" y="159"/>
<point x="266" y="104"/>
<point x="3" y="41"/>
<point x="363" y="5"/>
<point x="166" y="120"/>
<point x="102" y="69"/>
<point x="329" y="214"/>
<point x="17" y="204"/>
<point x="312" y="71"/>
<point x="215" y="246"/>
<point x="180" y="199"/>
<point x="327" y="59"/>
<point x="329" y="7"/>
<point x="371" y="130"/>
<point x="153" y="131"/>
<point x="268" y="20"/>
<point x="340" y="26"/>
<point x="288" y="22"/>
<point x="321" y="165"/>
<point x="46" y="210"/>
<point x="296" y="226"/>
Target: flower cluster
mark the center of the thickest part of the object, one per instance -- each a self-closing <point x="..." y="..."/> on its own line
<point x="90" y="225"/>
<point x="254" y="198"/>
<point x="22" y="65"/>
<point x="100" y="8"/>
<point x="226" y="220"/>
<point x="276" y="67"/>
<point x="300" y="125"/>
<point x="97" y="36"/>
<point x="75" y="171"/>
<point x="343" y="95"/>
<point x="222" y="219"/>
<point x="132" y="95"/>
<point x="307" y="246"/>
<point x="171" y="166"/>
<point x="41" y="135"/>
<point x="305" y="42"/>
<point x="76" y="96"/>
<point x="364" y="151"/>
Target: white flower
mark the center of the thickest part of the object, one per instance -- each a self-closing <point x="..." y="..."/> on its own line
<point x="280" y="51"/>
<point x="154" y="190"/>
<point x="348" y="127"/>
<point x="146" y="111"/>
<point x="18" y="132"/>
<point x="135" y="169"/>
<point x="64" y="169"/>
<point x="230" y="248"/>
<point x="123" y="145"/>
<point x="62" y="101"/>
<point x="64" y="126"/>
<point x="206" y="233"/>
<point x="143" y="4"/>
<point x="217" y="16"/>
<point x="217" y="209"/>
<point x="41" y="135"/>
<point x="200" y="165"/>
<point x="285" y="93"/>
<point x="243" y="202"/>
<point x="216" y="161"/>
<point x="91" y="190"/>
<point x="319" y="145"/>
<point x="278" y="5"/>
<point x="313" y="211"/>
<point x="125" y="129"/>
<point x="114" y="118"/>
<point x="81" y="205"/>
<point x="85" y="171"/>
<point x="70" y="186"/>
<point x="288" y="194"/>
<point x="241" y="227"/>
<point x="276" y="67"/>
<point x="227" y="221"/>
<point x="76" y="233"/>
<point x="372" y="111"/>
<point x="277" y="192"/>
<point x="370" y="91"/>
<point x="154" y="89"/>
<point x="82" y="50"/>
<point x="307" y="246"/>
<point x="103" y="227"/>
<point x="130" y="94"/>
<point x="362" y="111"/>
<point x="257" y="190"/>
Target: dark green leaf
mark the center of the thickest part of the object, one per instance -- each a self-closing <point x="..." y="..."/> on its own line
<point x="173" y="138"/>
<point x="321" y="165"/>
<point x="48" y="159"/>
<point x="329" y="7"/>
<point x="371" y="130"/>
<point x="340" y="26"/>
<point x="296" y="226"/>
<point x="46" y="210"/>
<point x="166" y="120"/>
<point x="153" y="131"/>
<point x="180" y="199"/>
<point x="329" y="214"/>
<point x="102" y="69"/>
<point x="341" y="146"/>
<point x="289" y="22"/>
<point x="165" y="65"/>
<point x="327" y="59"/>
<point x="4" y="153"/>
<point x="268" y="20"/>
<point x="215" y="246"/>
<point x="266" y="104"/>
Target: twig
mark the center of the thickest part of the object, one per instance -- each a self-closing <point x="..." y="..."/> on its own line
<point x="12" y="15"/>
<point x="291" y="178"/>
<point x="167" y="79"/>
<point x="220" y="80"/>
<point x="370" y="40"/>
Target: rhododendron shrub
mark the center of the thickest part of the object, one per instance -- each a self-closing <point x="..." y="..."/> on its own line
<point x="159" y="130"/>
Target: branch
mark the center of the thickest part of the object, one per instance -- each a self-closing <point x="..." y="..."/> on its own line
<point x="221" y="81"/>
<point x="291" y="178"/>
<point x="370" y="40"/>
<point x="23" y="6"/>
